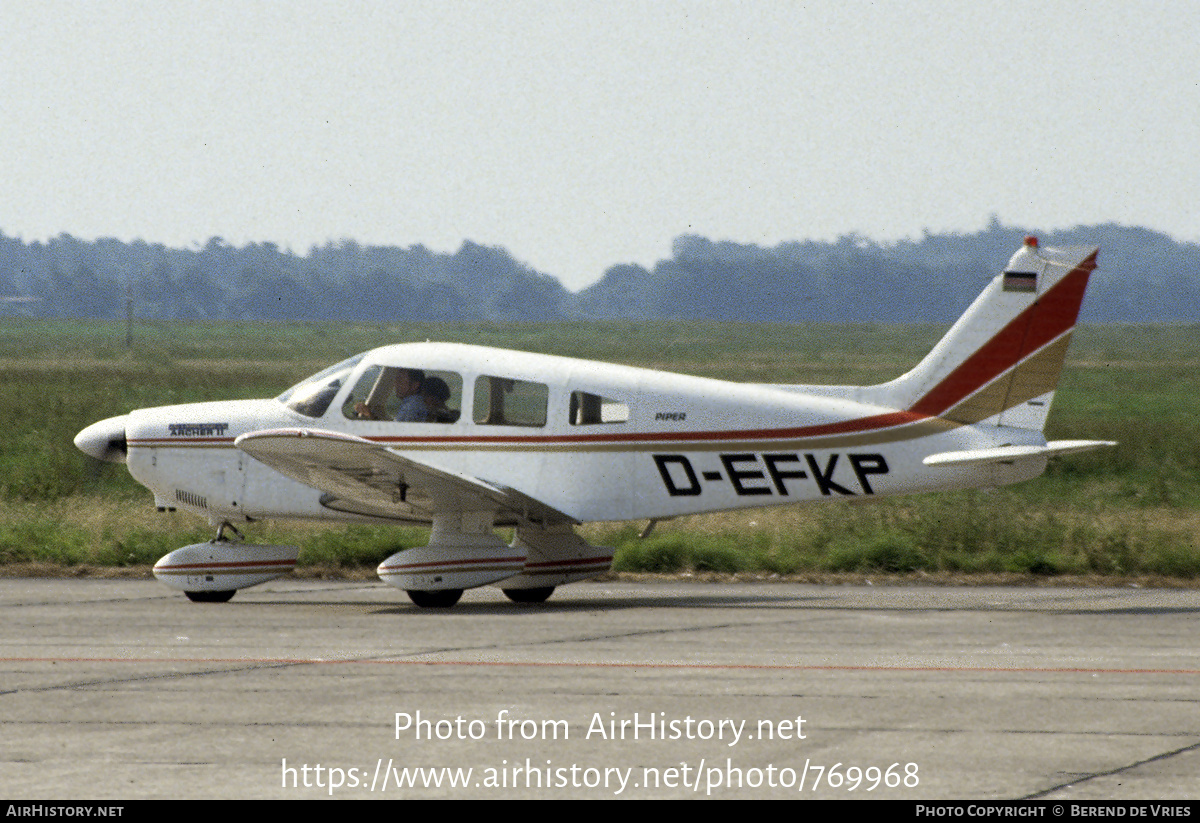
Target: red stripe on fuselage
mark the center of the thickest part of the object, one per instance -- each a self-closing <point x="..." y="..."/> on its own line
<point x="860" y="424"/>
<point x="854" y="426"/>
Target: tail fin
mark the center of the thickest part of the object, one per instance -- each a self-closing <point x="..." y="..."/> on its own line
<point x="1000" y="362"/>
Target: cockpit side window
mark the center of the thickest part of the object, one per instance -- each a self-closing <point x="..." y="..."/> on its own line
<point x="405" y="394"/>
<point x="589" y="409"/>
<point x="312" y="396"/>
<point x="504" y="401"/>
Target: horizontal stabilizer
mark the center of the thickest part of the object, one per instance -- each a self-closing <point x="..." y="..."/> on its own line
<point x="1011" y="454"/>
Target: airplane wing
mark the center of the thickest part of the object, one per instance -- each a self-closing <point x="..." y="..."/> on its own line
<point x="364" y="477"/>
<point x="1011" y="454"/>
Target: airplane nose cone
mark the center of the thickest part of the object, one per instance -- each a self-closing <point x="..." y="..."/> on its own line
<point x="104" y="440"/>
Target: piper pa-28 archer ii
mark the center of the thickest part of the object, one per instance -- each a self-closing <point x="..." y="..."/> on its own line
<point x="469" y="438"/>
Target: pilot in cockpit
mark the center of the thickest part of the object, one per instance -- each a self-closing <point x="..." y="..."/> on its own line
<point x="412" y="407"/>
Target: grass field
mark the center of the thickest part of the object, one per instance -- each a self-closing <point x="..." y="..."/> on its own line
<point x="1129" y="512"/>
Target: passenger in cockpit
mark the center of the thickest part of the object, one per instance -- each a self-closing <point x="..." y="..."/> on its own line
<point x="434" y="394"/>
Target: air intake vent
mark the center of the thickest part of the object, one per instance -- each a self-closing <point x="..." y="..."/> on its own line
<point x="191" y="499"/>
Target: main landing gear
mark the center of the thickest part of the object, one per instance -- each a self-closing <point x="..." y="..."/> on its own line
<point x="538" y="595"/>
<point x="440" y="599"/>
<point x="464" y="553"/>
<point x="445" y="598"/>
<point x="211" y="597"/>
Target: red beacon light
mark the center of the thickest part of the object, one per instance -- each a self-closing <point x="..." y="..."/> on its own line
<point x="1030" y="240"/>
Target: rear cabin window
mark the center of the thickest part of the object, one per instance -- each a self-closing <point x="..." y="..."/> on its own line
<point x="405" y="395"/>
<point x="591" y="409"/>
<point x="503" y="401"/>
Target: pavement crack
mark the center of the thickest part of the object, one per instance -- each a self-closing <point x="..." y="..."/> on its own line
<point x="1163" y="756"/>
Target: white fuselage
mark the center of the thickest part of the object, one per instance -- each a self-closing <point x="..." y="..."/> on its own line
<point x="655" y="444"/>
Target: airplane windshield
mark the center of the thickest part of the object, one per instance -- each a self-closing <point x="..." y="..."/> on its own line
<point x="312" y="396"/>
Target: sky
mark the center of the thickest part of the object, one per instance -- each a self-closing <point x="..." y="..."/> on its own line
<point x="579" y="136"/>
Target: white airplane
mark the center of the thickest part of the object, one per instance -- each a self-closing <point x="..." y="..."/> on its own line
<point x="482" y="437"/>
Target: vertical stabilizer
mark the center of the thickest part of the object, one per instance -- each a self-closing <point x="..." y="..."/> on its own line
<point x="1001" y="361"/>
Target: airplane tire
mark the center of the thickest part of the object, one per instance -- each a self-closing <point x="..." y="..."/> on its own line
<point x="211" y="597"/>
<point x="539" y="595"/>
<point x="440" y="599"/>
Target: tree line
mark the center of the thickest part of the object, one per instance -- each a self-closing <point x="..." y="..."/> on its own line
<point x="1144" y="276"/>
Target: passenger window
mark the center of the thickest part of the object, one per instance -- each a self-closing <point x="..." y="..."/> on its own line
<point x="405" y="395"/>
<point x="592" y="409"/>
<point x="503" y="401"/>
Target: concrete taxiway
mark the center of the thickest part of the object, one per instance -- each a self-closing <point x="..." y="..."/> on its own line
<point x="123" y="690"/>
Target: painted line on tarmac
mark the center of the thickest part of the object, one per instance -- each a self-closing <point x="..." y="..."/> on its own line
<point x="315" y="661"/>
